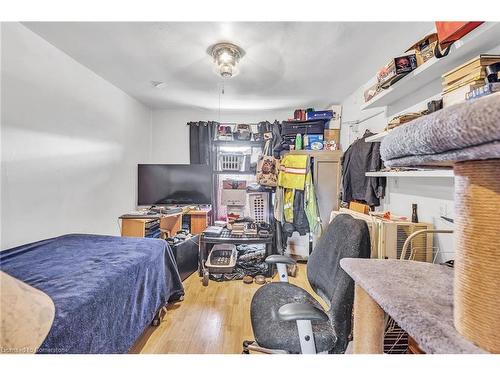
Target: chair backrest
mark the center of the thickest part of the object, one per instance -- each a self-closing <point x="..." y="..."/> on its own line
<point x="345" y="237"/>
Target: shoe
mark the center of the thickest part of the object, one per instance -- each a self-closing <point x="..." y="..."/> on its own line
<point x="260" y="279"/>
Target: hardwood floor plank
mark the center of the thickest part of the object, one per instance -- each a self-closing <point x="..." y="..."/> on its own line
<point x="213" y="319"/>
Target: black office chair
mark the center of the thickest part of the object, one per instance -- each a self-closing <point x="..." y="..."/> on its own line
<point x="287" y="319"/>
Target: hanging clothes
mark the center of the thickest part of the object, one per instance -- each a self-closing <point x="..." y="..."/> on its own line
<point x="359" y="158"/>
<point x="292" y="178"/>
<point x="278" y="204"/>
<point x="299" y="222"/>
<point x="311" y="206"/>
<point x="293" y="169"/>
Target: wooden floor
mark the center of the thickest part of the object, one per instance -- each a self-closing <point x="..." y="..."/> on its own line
<point x="213" y="319"/>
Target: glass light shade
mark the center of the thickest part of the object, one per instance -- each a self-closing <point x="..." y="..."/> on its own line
<point x="226" y="57"/>
<point x="226" y="70"/>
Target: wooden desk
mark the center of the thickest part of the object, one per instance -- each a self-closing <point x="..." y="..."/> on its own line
<point x="199" y="220"/>
<point x="137" y="227"/>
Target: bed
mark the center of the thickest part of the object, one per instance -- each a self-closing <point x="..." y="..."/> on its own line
<point x="106" y="290"/>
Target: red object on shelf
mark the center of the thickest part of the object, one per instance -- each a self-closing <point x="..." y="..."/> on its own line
<point x="449" y="32"/>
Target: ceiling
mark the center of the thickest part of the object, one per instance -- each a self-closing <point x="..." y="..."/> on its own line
<point x="286" y="65"/>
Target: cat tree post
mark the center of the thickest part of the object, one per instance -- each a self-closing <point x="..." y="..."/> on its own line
<point x="477" y="258"/>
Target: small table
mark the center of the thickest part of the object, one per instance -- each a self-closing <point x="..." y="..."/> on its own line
<point x="228" y="238"/>
<point x="417" y="295"/>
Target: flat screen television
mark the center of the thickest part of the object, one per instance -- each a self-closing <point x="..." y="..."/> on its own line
<point x="174" y="184"/>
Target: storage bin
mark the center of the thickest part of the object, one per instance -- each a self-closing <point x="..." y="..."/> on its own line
<point x="231" y="161"/>
<point x="259" y="207"/>
<point x="313" y="142"/>
<point x="319" y="115"/>
<point x="302" y="127"/>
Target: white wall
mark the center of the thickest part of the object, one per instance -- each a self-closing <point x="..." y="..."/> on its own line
<point x="70" y="143"/>
<point x="171" y="135"/>
<point x="433" y="196"/>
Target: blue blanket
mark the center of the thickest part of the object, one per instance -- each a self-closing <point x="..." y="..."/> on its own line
<point x="106" y="289"/>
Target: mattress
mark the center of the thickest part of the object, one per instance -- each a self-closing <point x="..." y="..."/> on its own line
<point x="106" y="289"/>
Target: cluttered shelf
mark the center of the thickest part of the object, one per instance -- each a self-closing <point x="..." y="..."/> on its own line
<point x="413" y="173"/>
<point x="481" y="39"/>
<point x="239" y="173"/>
<point x="238" y="143"/>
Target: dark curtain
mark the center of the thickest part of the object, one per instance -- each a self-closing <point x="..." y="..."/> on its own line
<point x="201" y="134"/>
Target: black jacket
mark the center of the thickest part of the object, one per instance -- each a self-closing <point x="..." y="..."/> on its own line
<point x="362" y="157"/>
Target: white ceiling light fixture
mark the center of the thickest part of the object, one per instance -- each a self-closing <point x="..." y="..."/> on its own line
<point x="226" y="57"/>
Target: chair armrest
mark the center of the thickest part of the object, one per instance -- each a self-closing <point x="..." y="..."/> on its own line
<point x="301" y="311"/>
<point x="275" y="259"/>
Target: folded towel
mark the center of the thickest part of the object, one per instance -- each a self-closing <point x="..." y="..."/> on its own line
<point x="464" y="131"/>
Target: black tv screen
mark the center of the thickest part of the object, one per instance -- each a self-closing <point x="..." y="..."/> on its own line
<point x="165" y="184"/>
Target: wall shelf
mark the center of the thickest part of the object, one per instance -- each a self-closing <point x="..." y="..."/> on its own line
<point x="377" y="137"/>
<point x="480" y="40"/>
<point x="236" y="143"/>
<point x="239" y="173"/>
<point x="416" y="173"/>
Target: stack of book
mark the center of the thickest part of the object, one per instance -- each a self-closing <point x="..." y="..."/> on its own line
<point x="152" y="228"/>
<point x="489" y="88"/>
<point x="238" y="229"/>
<point x="465" y="78"/>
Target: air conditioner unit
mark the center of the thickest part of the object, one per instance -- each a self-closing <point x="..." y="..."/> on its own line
<point x="393" y="235"/>
<point x="388" y="236"/>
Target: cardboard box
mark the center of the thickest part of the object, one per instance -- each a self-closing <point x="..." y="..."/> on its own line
<point x="332" y="135"/>
<point x="337" y="117"/>
<point x="424" y="48"/>
<point x="234" y="184"/>
<point x="359" y="207"/>
<point x="313" y="142"/>
<point x="319" y="115"/>
<point x="234" y="197"/>
<point x="396" y="69"/>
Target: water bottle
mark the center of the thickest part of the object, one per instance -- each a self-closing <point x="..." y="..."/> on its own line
<point x="298" y="142"/>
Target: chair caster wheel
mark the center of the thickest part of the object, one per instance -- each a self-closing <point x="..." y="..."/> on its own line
<point x="205" y="278"/>
<point x="246" y="343"/>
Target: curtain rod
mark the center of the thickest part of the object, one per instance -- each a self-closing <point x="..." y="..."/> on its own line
<point x="230" y="123"/>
